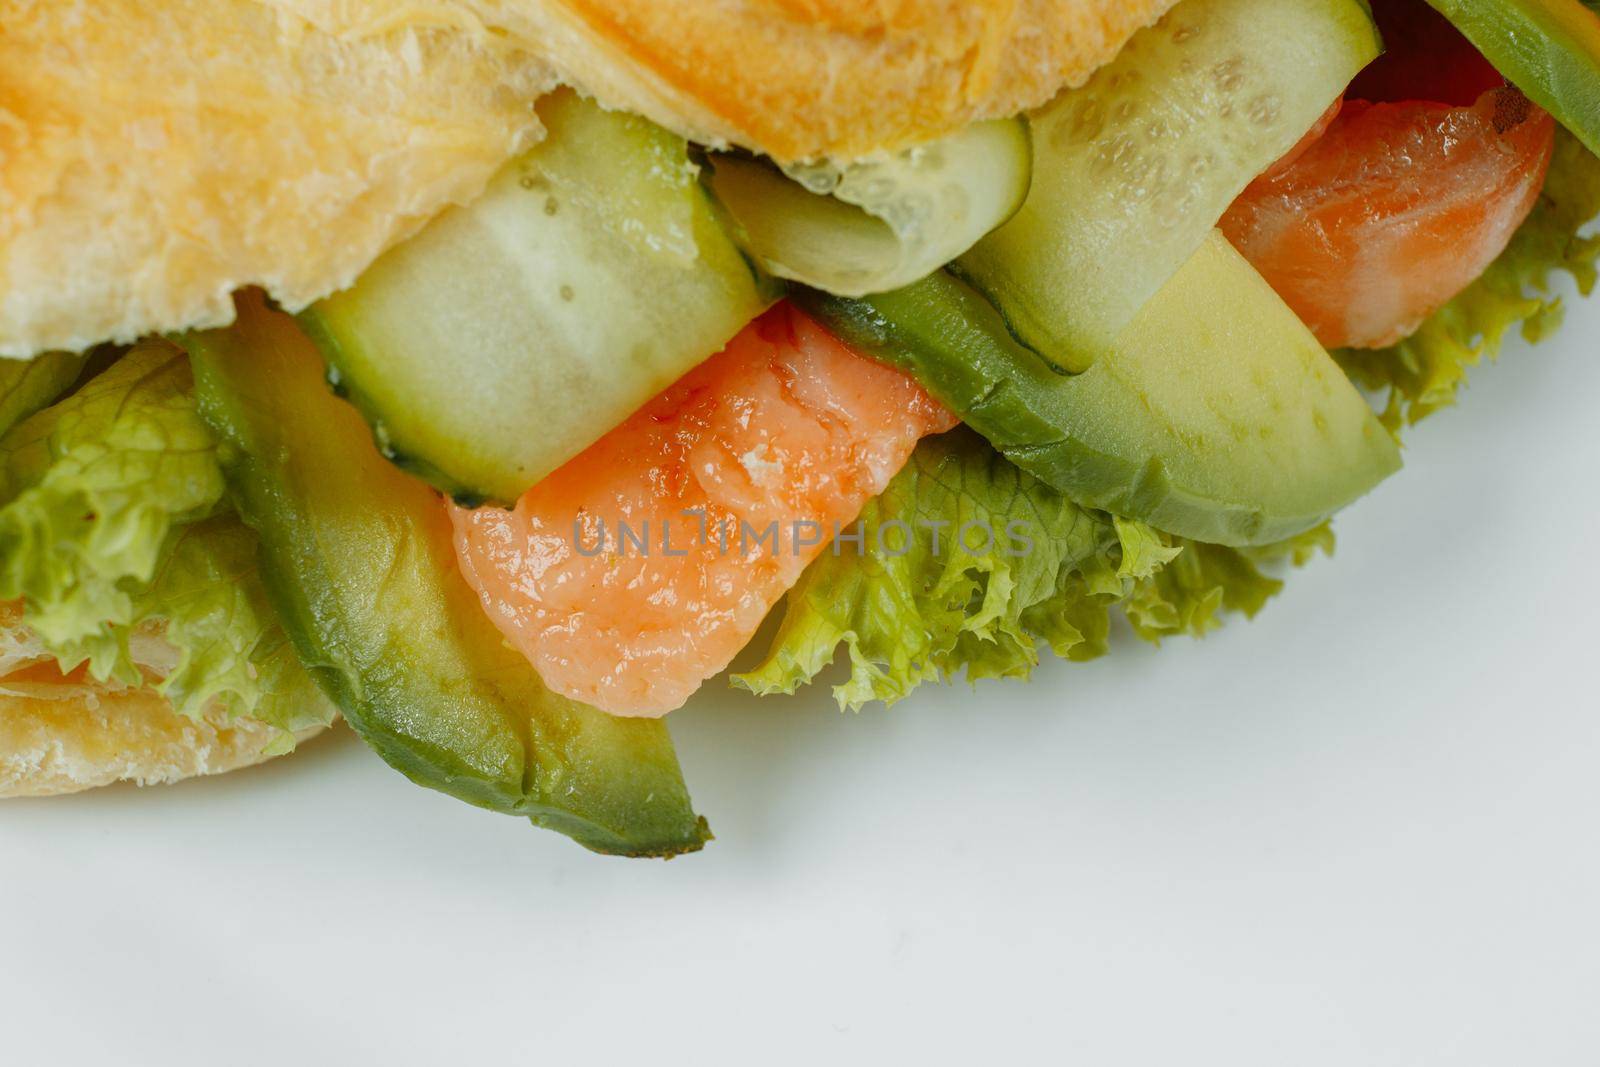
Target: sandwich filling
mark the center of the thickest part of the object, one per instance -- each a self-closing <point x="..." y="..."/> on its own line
<point x="942" y="408"/>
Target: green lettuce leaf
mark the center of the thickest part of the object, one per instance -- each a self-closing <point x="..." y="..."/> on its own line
<point x="114" y="529"/>
<point x="93" y="488"/>
<point x="208" y="602"/>
<point x="26" y="386"/>
<point x="966" y="564"/>
<point x="1423" y="373"/>
<point x="1193" y="593"/>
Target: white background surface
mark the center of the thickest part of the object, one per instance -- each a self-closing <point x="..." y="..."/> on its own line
<point x="1363" y="830"/>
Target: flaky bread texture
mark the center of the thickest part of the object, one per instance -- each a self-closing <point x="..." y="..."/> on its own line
<point x="64" y="736"/>
<point x="156" y="155"/>
<point x="66" y="733"/>
<point x="801" y="79"/>
<point x="795" y="79"/>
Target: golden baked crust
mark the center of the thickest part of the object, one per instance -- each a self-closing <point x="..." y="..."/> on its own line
<point x="65" y="733"/>
<point x="799" y="79"/>
<point x="156" y="155"/>
<point x="796" y="79"/>
<point x="61" y="735"/>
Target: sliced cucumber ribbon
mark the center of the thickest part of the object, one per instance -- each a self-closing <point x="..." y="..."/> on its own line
<point x="1132" y="170"/>
<point x="511" y="333"/>
<point x="877" y="225"/>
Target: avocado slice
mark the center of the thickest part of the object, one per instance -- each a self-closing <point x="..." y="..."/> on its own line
<point x="1550" y="49"/>
<point x="360" y="561"/>
<point x="1215" y="416"/>
<point x="1132" y="169"/>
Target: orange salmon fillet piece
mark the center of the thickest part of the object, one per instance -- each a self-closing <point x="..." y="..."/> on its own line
<point x="1393" y="211"/>
<point x="642" y="567"/>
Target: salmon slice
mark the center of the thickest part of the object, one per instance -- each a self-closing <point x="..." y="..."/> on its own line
<point x="1313" y="135"/>
<point x="1393" y="211"/>
<point x="640" y="568"/>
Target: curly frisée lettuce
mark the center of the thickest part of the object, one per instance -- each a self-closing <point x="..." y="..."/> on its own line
<point x="968" y="564"/>
<point x="210" y="605"/>
<point x="114" y="531"/>
<point x="1203" y="583"/>
<point x="1423" y="372"/>
<point x="92" y="488"/>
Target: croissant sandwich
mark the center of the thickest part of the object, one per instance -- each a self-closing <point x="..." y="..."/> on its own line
<point x="485" y="372"/>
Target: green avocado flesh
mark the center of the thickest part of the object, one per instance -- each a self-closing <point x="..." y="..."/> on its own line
<point x="1133" y="169"/>
<point x="1216" y="416"/>
<point x="27" y="386"/>
<point x="512" y="333"/>
<point x="360" y="560"/>
<point x="1550" y="49"/>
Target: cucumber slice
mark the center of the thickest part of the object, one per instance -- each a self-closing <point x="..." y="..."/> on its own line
<point x="28" y="386"/>
<point x="1132" y="170"/>
<point x="874" y="226"/>
<point x="1216" y="416"/>
<point x="509" y="335"/>
<point x="360" y="560"/>
<point x="1550" y="49"/>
